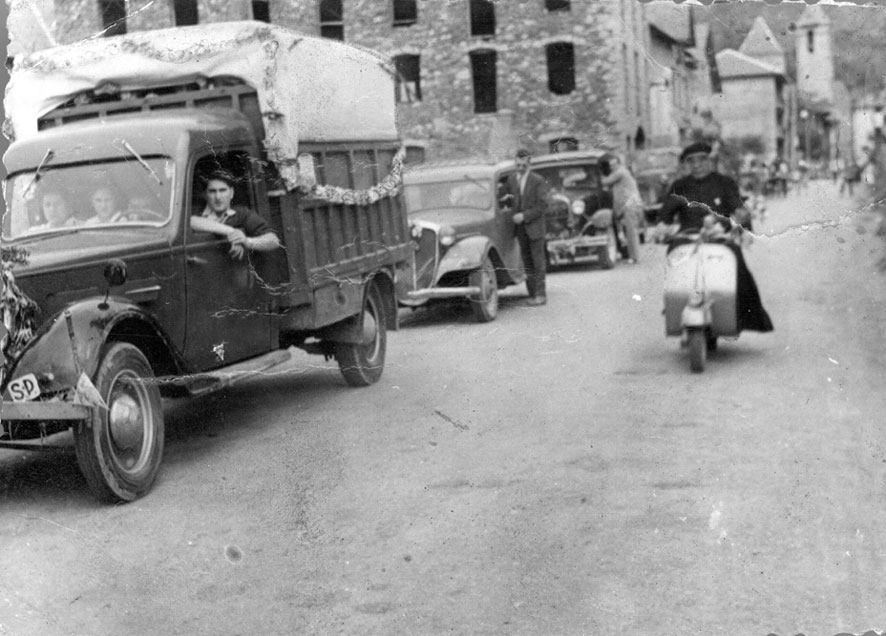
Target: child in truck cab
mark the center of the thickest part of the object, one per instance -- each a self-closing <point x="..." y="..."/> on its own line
<point x="245" y="229"/>
<point x="104" y="204"/>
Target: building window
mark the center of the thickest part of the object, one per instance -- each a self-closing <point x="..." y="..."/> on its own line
<point x="332" y="20"/>
<point x="405" y="12"/>
<point x="483" y="70"/>
<point x="557" y="5"/>
<point x="414" y="154"/>
<point x="482" y="17"/>
<point x="561" y="67"/>
<point x="113" y="17"/>
<point x="261" y="10"/>
<point x="640" y="138"/>
<point x="625" y="77"/>
<point x="408" y="80"/>
<point x="810" y="41"/>
<point x="185" y="12"/>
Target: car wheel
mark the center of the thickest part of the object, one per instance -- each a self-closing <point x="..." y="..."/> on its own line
<point x="485" y="305"/>
<point x="362" y="363"/>
<point x="609" y="253"/>
<point x="120" y="449"/>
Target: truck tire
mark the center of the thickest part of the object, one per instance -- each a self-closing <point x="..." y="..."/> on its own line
<point x="362" y="364"/>
<point x="485" y="305"/>
<point x="609" y="253"/>
<point x="120" y="449"/>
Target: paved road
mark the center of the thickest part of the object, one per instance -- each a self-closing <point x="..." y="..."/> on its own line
<point x="558" y="471"/>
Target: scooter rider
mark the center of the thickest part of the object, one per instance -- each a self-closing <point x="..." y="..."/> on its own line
<point x="699" y="200"/>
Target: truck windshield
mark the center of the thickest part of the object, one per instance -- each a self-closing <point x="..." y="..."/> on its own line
<point x="101" y="195"/>
<point x="475" y="194"/>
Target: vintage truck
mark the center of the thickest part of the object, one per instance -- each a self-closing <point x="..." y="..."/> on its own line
<point x="107" y="317"/>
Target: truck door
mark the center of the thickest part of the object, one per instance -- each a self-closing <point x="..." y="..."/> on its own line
<point x="228" y="316"/>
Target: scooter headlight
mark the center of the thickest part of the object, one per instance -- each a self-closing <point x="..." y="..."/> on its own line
<point x="578" y="207"/>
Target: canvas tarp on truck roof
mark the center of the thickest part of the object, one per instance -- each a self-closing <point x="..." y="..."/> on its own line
<point x="308" y="88"/>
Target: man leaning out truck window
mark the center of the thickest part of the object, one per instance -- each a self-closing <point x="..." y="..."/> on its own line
<point x="245" y="229"/>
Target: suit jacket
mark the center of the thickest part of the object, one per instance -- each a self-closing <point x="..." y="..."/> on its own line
<point x="532" y="203"/>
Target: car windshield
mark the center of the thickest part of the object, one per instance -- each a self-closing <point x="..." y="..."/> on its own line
<point x="575" y="180"/>
<point x="69" y="198"/>
<point x="475" y="194"/>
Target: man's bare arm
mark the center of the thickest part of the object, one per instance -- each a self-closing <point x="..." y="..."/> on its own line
<point x="202" y="224"/>
<point x="263" y="243"/>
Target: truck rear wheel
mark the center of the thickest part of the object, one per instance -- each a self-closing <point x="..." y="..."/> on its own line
<point x="120" y="449"/>
<point x="485" y="304"/>
<point x="362" y="363"/>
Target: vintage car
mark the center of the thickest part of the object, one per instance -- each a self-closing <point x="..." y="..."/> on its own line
<point x="465" y="244"/>
<point x="655" y="169"/>
<point x="579" y="221"/>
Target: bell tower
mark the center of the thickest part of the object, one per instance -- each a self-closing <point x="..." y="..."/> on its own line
<point x="815" y="60"/>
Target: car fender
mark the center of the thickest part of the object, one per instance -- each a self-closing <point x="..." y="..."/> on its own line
<point x="50" y="354"/>
<point x="465" y="255"/>
<point x="601" y="219"/>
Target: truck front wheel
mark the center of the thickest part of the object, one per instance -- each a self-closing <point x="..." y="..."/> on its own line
<point x="120" y="449"/>
<point x="362" y="363"/>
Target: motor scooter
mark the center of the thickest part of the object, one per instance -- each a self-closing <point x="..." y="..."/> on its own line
<point x="700" y="290"/>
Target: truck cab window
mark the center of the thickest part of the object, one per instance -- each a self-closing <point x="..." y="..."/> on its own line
<point x="237" y="165"/>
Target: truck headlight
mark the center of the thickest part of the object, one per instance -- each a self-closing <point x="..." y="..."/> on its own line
<point x="578" y="207"/>
<point x="447" y="235"/>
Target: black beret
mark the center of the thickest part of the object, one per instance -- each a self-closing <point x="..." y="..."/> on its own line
<point x="698" y="147"/>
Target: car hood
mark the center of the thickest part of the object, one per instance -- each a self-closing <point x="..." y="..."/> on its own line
<point x="460" y="219"/>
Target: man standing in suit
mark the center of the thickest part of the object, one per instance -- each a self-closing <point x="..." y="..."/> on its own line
<point x="530" y="202"/>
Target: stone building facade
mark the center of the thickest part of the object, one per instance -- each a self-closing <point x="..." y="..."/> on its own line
<point x="479" y="77"/>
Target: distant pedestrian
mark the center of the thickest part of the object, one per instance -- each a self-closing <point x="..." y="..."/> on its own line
<point x="626" y="202"/>
<point x="529" y="192"/>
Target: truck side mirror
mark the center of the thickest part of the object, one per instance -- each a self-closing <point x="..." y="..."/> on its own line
<point x="115" y="275"/>
<point x="115" y="272"/>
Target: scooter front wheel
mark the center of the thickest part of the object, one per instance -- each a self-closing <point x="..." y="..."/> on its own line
<point x="698" y="350"/>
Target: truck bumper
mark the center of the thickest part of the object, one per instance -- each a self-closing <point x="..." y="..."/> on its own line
<point x="443" y="292"/>
<point x="44" y="411"/>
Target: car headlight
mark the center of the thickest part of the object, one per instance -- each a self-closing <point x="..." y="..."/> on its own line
<point x="415" y="231"/>
<point x="447" y="235"/>
<point x="578" y="207"/>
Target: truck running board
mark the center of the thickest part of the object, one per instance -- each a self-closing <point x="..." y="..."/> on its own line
<point x="203" y="383"/>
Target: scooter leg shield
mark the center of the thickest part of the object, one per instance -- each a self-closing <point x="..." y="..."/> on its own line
<point x="695" y="317"/>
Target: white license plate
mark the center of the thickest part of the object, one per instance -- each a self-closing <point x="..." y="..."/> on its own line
<point x="24" y="388"/>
